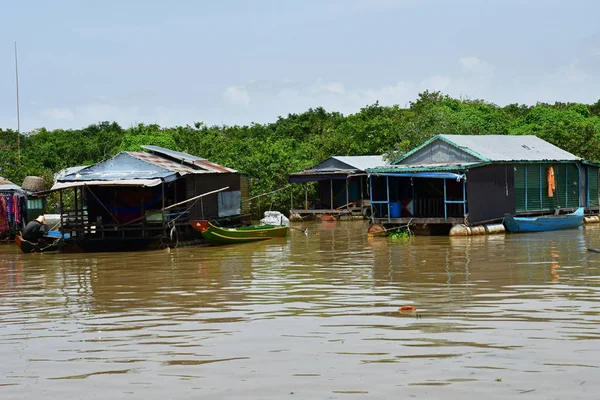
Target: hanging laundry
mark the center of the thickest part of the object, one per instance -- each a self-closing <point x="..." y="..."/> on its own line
<point x="3" y="215"/>
<point x="9" y="208"/>
<point x="17" y="207"/>
<point x="551" y="182"/>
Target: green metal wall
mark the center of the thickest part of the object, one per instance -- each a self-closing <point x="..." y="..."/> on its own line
<point x="531" y="187"/>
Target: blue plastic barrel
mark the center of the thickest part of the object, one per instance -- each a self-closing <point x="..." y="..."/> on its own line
<point x="395" y="209"/>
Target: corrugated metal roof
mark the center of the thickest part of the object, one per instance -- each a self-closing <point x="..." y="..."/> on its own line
<point x="510" y="147"/>
<point x="343" y="165"/>
<point x="362" y="162"/>
<point x="402" y="168"/>
<point x="118" y="182"/>
<point x="6" y="185"/>
<point x="69" y="171"/>
<point x="165" y="163"/>
<point x="4" y="181"/>
<point x="212" y="167"/>
<point x="174" y="154"/>
<point x="140" y="165"/>
<point x="189" y="159"/>
<point x="123" y="166"/>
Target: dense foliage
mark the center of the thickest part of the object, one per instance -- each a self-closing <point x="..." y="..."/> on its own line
<point x="267" y="153"/>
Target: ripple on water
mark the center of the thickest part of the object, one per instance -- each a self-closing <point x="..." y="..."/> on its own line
<point x="311" y="315"/>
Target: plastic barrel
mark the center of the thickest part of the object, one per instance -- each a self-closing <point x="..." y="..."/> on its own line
<point x="395" y="209"/>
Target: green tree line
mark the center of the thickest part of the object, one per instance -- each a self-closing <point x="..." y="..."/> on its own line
<point x="267" y="153"/>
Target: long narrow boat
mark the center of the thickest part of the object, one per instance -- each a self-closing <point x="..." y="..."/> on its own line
<point x="545" y="222"/>
<point x="243" y="234"/>
<point x="30" y="247"/>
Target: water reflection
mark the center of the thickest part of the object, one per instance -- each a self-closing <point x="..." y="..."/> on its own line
<point x="314" y="315"/>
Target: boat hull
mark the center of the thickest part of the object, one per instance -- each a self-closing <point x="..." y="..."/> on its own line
<point x="252" y="233"/>
<point x="544" y="223"/>
<point x="29" y="247"/>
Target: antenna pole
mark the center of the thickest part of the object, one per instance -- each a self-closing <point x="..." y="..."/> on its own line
<point x="18" y="111"/>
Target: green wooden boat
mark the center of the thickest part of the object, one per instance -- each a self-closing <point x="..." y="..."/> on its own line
<point x="29" y="247"/>
<point x="242" y="234"/>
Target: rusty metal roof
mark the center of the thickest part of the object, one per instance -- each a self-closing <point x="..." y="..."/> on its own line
<point x="162" y="162"/>
<point x="140" y="165"/>
<point x="185" y="158"/>
<point x="6" y="185"/>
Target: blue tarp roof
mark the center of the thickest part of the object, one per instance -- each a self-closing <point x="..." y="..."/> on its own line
<point x="123" y="166"/>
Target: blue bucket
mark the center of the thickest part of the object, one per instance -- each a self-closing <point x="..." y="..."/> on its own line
<point x="395" y="209"/>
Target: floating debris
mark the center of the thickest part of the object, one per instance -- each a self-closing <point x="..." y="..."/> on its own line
<point x="407" y="309"/>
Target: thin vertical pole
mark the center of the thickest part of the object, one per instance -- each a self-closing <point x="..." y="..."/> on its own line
<point x="464" y="197"/>
<point x="541" y="190"/>
<point x="306" y="196"/>
<point x="347" y="195"/>
<point x="587" y="186"/>
<point x="445" y="208"/>
<point x="387" y="186"/>
<point x="77" y="220"/>
<point x="162" y="186"/>
<point x="143" y="212"/>
<point x="18" y="111"/>
<point x="371" y="198"/>
<point x="60" y="212"/>
<point x="361" y="190"/>
<point x="414" y="200"/>
<point x="566" y="186"/>
<point x="526" y="189"/>
<point x="331" y="193"/>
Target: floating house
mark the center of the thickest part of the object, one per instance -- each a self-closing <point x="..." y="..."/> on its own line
<point x="341" y="185"/>
<point x="477" y="179"/>
<point x="137" y="198"/>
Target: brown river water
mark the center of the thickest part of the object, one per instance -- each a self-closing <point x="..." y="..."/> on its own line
<point x="307" y="317"/>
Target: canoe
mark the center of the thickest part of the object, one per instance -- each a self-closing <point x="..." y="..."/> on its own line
<point x="242" y="234"/>
<point x="29" y="247"/>
<point x="544" y="223"/>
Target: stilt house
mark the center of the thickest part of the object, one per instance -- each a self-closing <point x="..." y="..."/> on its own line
<point x="135" y="198"/>
<point x="341" y="185"/>
<point x="476" y="179"/>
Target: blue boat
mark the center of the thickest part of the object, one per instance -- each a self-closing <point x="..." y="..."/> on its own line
<point x="545" y="222"/>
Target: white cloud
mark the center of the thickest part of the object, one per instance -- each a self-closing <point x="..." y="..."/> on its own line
<point x="59" y="114"/>
<point x="571" y="74"/>
<point x="237" y="95"/>
<point x="475" y="65"/>
<point x="332" y="87"/>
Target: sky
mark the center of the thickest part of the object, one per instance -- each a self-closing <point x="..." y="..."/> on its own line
<point x="240" y="62"/>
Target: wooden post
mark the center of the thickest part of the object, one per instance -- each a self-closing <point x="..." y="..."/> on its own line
<point x="445" y="209"/>
<point x="162" y="185"/>
<point x="361" y="191"/>
<point x="371" y="199"/>
<point x="387" y="185"/>
<point x="347" y="195"/>
<point x="142" y="209"/>
<point x="76" y="211"/>
<point x="62" y="226"/>
<point x="306" y="196"/>
<point x="331" y="193"/>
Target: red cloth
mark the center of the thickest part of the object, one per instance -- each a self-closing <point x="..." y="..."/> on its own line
<point x="3" y="215"/>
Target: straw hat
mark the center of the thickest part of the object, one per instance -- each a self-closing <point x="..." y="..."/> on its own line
<point x="41" y="219"/>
